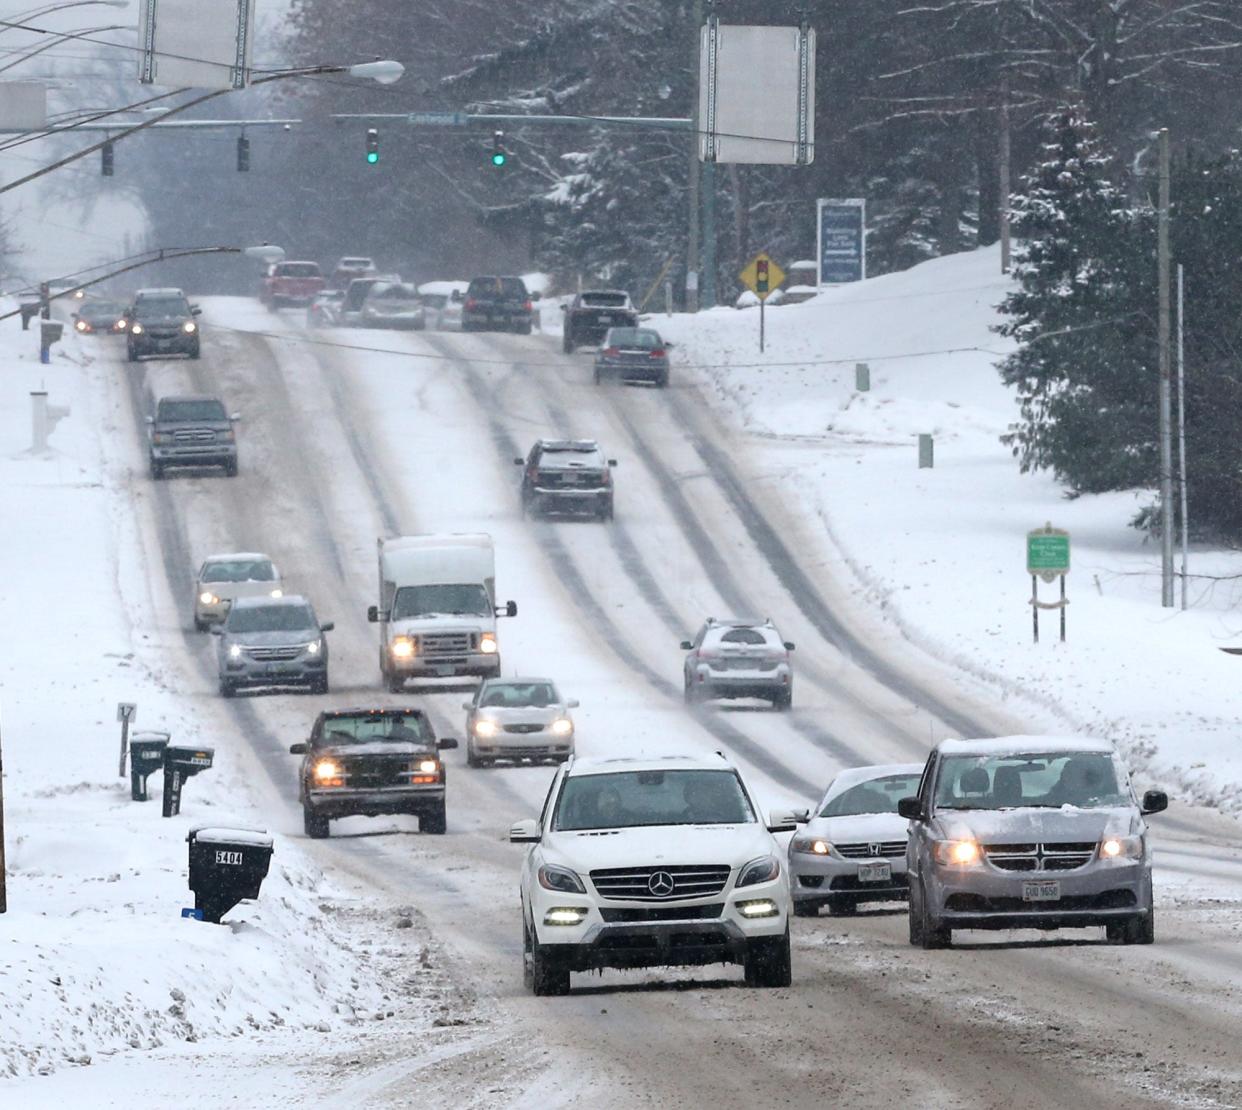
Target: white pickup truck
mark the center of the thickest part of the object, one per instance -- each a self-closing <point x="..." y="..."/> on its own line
<point x="437" y="608"/>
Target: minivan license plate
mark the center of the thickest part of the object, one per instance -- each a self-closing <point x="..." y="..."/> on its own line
<point x="880" y="871"/>
<point x="1046" y="890"/>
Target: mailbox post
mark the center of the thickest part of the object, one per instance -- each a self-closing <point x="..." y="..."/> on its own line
<point x="146" y="754"/>
<point x="179" y="765"/>
<point x="226" y="865"/>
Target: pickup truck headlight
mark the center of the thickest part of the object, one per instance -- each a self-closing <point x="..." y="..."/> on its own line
<point x="327" y="773"/>
<point x="1121" y="847"/>
<point x="402" y="647"/>
<point x="958" y="853"/>
<point x="761" y="870"/>
<point x="135" y="329"/>
<point x="189" y="327"/>
<point x="487" y="643"/>
<point x="812" y="845"/>
<point x="552" y="877"/>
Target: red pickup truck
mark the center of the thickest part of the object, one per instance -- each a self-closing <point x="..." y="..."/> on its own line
<point x="295" y="283"/>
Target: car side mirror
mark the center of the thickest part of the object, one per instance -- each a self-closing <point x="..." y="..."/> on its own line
<point x="686" y="645"/>
<point x="783" y="821"/>
<point x="519" y="462"/>
<point x="669" y="345"/>
<point x="195" y="310"/>
<point x="524" y="832"/>
<point x="446" y="744"/>
<point x="216" y="630"/>
<point x="297" y="749"/>
<point x="235" y="417"/>
<point x="509" y="609"/>
<point x="572" y="703"/>
<point x="150" y="419"/>
<point x="373" y="613"/>
<point x="327" y="626"/>
<point x="455" y="296"/>
<point x="467" y="706"/>
<point x="1155" y="801"/>
<point x="612" y="462"/>
<point x="910" y="809"/>
<point x="789" y="645"/>
<point x="564" y="308"/>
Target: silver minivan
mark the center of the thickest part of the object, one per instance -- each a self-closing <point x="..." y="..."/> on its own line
<point x="1027" y="832"/>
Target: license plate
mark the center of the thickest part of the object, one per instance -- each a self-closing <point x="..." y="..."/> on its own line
<point x="443" y="669"/>
<point x="881" y="871"/>
<point x="1045" y="890"/>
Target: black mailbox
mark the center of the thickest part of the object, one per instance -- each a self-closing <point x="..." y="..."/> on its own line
<point x="179" y="765"/>
<point x="29" y="310"/>
<point x="226" y="865"/>
<point x="146" y="754"/>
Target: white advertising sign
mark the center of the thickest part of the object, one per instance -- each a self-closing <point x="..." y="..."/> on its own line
<point x="196" y="44"/>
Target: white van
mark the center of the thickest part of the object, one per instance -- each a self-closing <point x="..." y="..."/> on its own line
<point x="437" y="611"/>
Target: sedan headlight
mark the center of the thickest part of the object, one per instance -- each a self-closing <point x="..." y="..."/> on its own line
<point x="761" y="870"/>
<point x="208" y="598"/>
<point x="812" y="845"/>
<point x="235" y="651"/>
<point x="958" y="853"/>
<point x="485" y="728"/>
<point x="314" y="647"/>
<point x="562" y="726"/>
<point x="552" y="877"/>
<point x="136" y="329"/>
<point x="487" y="643"/>
<point x="1121" y="847"/>
<point x="402" y="647"/>
<point x="189" y="327"/>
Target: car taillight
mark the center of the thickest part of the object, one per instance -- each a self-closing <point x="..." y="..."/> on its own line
<point x="613" y="351"/>
<point x="527" y="306"/>
<point x="658" y="353"/>
<point x="471" y="303"/>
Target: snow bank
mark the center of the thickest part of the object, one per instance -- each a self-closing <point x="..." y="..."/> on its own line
<point x="941" y="552"/>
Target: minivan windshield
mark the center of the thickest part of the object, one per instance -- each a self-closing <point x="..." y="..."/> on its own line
<point x="632" y="799"/>
<point x="191" y="410"/>
<point x="270" y="618"/>
<point x="874" y="796"/>
<point x="466" y="600"/>
<point x="1042" y="779"/>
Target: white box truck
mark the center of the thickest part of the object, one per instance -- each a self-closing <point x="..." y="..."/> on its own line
<point x="437" y="608"/>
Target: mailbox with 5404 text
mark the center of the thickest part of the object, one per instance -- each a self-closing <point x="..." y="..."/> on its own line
<point x="226" y="865"/>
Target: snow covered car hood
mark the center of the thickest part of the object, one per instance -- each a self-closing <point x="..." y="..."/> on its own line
<point x="410" y="748"/>
<point x="520" y="714"/>
<point x="861" y="828"/>
<point x="661" y="845"/>
<point x="1028" y="824"/>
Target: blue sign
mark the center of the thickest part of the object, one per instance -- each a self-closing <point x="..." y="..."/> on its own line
<point x="437" y="119"/>
<point x="842" y="234"/>
<point x="189" y="911"/>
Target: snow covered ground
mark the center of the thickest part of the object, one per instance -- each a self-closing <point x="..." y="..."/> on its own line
<point x="941" y="552"/>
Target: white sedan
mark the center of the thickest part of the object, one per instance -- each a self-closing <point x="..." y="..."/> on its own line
<point x="518" y="718"/>
<point x="222" y="579"/>
<point x="854" y="849"/>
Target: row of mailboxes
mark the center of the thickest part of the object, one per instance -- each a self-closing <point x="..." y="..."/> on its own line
<point x="151" y="751"/>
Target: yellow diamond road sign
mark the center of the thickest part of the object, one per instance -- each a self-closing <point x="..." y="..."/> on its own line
<point x="762" y="276"/>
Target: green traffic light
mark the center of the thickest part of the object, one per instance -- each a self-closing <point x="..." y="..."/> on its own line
<point x="372" y="157"/>
<point x="498" y="159"/>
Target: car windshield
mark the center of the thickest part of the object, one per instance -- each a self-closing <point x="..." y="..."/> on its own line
<point x="639" y="338"/>
<point x="270" y="618"/>
<point x="633" y="799"/>
<point x="161" y="306"/>
<point x="515" y="695"/>
<point x="191" y="410"/>
<point x="604" y="300"/>
<point x="466" y="600"/>
<point x="874" y="796"/>
<point x="376" y="726"/>
<point x="1044" y="779"/>
<point x="246" y="570"/>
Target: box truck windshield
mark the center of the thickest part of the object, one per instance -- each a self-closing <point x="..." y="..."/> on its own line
<point x="469" y="599"/>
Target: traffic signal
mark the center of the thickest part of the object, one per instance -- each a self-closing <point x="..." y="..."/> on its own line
<point x="372" y="146"/>
<point x="499" y="155"/>
<point x="761" y="275"/>
<point x="106" y="159"/>
<point x="243" y="154"/>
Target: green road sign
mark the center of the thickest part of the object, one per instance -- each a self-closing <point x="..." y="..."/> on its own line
<point x="1047" y="551"/>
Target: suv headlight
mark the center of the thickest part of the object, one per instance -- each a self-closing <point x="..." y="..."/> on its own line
<point x="136" y="329"/>
<point x="957" y="853"/>
<point x="189" y="327"/>
<point x="761" y="870"/>
<point x="313" y="648"/>
<point x="552" y="877"/>
<point x="235" y="651"/>
<point x="1121" y="847"/>
<point x="812" y="845"/>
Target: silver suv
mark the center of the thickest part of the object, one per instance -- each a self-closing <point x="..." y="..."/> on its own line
<point x="272" y="641"/>
<point x="738" y="659"/>
<point x="1028" y="832"/>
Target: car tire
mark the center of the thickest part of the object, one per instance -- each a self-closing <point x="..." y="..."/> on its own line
<point x="227" y="688"/>
<point x="433" y="821"/>
<point x="689" y="695"/>
<point x="926" y="931"/>
<point x="567" y="344"/>
<point x="395" y="683"/>
<point x="605" y="514"/>
<point x="662" y="381"/>
<point x="230" y="469"/>
<point x="806" y="909"/>
<point x="768" y="962"/>
<point x="524" y="329"/>
<point x="1135" y="930"/>
<point x="842" y="906"/>
<point x="320" y="685"/>
<point x="598" y="377"/>
<point x="200" y="626"/>
<point x="473" y="760"/>
<point x="130" y="354"/>
<point x="783" y="701"/>
<point x="195" y="351"/>
<point x="315" y="825"/>
<point x="544" y="976"/>
<point x="157" y="471"/>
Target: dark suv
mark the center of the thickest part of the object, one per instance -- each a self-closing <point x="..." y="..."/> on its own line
<point x="497" y="304"/>
<point x="161" y="322"/>
<point x="192" y="430"/>
<point x="372" y="762"/>
<point x="592" y="312"/>
<point x="567" y="476"/>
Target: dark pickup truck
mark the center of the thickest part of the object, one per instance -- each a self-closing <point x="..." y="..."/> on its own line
<point x="372" y="762"/>
<point x="592" y="312"/>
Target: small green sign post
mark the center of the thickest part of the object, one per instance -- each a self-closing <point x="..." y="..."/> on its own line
<point x="1047" y="557"/>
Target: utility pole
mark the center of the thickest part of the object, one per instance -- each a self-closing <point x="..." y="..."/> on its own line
<point x="692" y="232"/>
<point x="1004" y="176"/>
<point x="1181" y="425"/>
<point x="1166" y="414"/>
<point x="4" y="881"/>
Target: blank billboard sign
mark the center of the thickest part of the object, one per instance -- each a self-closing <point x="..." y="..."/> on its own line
<point x="757" y="94"/>
<point x="196" y="44"/>
<point x="23" y="105"/>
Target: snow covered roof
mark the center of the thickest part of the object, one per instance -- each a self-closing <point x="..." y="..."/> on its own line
<point x="684" y="761"/>
<point x="238" y="557"/>
<point x="855" y="775"/>
<point x="1024" y="745"/>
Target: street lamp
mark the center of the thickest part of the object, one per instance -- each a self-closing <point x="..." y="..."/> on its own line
<point x="14" y="23"/>
<point x="266" y="253"/>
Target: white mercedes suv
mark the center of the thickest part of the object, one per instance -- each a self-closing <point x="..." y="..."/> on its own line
<point x="655" y="862"/>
